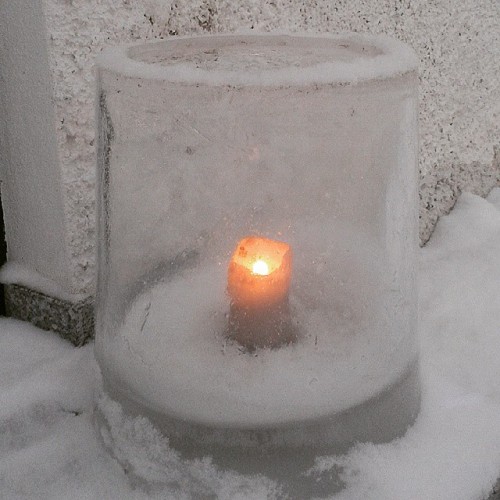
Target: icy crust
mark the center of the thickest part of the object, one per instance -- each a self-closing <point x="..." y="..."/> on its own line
<point x="172" y="354"/>
<point x="265" y="60"/>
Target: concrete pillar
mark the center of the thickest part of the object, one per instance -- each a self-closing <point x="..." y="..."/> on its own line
<point x="37" y="272"/>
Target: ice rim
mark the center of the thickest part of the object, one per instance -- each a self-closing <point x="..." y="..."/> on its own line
<point x="374" y="57"/>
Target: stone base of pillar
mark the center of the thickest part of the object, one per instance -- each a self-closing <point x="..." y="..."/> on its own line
<point x="74" y="321"/>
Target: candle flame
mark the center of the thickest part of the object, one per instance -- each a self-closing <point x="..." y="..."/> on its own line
<point x="260" y="267"/>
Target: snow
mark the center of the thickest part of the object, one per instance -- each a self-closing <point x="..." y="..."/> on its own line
<point x="15" y="273"/>
<point x="50" y="450"/>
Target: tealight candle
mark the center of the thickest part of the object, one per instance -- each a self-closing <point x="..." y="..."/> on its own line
<point x="259" y="278"/>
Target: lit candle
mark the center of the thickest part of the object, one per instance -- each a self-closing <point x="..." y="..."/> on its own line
<point x="259" y="278"/>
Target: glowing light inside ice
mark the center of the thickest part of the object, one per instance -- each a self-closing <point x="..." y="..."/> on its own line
<point x="260" y="267"/>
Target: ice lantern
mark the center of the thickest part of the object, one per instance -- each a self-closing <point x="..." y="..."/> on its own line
<point x="217" y="149"/>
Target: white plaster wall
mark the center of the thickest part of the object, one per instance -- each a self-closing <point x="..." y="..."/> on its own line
<point x="29" y="165"/>
<point x="458" y="42"/>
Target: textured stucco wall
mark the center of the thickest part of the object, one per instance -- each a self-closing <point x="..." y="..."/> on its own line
<point x="458" y="42"/>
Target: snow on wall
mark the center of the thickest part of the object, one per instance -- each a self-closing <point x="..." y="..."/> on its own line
<point x="458" y="43"/>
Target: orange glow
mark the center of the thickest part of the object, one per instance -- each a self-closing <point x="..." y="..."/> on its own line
<point x="259" y="272"/>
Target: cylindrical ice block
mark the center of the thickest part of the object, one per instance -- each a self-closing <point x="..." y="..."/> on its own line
<point x="310" y="142"/>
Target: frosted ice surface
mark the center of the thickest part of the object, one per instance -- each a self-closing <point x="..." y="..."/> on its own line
<point x="236" y="60"/>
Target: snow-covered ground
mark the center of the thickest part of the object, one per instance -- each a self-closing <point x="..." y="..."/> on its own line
<point x="50" y="450"/>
